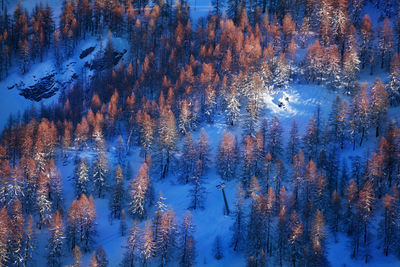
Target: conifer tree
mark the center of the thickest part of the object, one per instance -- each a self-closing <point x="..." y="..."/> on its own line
<point x="132" y="241"/>
<point x="393" y="85"/>
<point x="378" y="105"/>
<point x="147" y="245"/>
<point x="118" y="194"/>
<point x="140" y="192"/>
<point x="100" y="172"/>
<point x="56" y="240"/>
<point x="81" y="178"/>
<point x="187" y="242"/>
<point x="227" y="157"/>
<point x="238" y="227"/>
<point x="197" y="193"/>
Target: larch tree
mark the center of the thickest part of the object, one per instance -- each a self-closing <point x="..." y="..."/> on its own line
<point x="318" y="236"/>
<point x="295" y="239"/>
<point x="186" y="241"/>
<point x="166" y="141"/>
<point x="131" y="248"/>
<point x="118" y="194"/>
<point x="385" y="44"/>
<point x="197" y="193"/>
<point x="82" y="178"/>
<point x="227" y="157"/>
<point x="379" y="104"/>
<point x="140" y="192"/>
<point x="294" y="141"/>
<point x="232" y="109"/>
<point x="56" y="240"/>
<point x="365" y="208"/>
<point x="239" y="225"/>
<point x="147" y="245"/>
<point x="393" y="85"/>
<point x="389" y="229"/>
<point x="100" y="173"/>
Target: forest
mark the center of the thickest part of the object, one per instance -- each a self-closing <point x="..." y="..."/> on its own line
<point x="225" y="133"/>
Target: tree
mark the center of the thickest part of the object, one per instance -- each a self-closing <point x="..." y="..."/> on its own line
<point x="131" y="246"/>
<point x="367" y="37"/>
<point x="359" y="119"/>
<point x="93" y="261"/>
<point x="274" y="140"/>
<point x="365" y="206"/>
<point x="310" y="139"/>
<point x="379" y="104"/>
<point x="189" y="159"/>
<point x="385" y="43"/>
<point x="185" y="115"/>
<point x="318" y="236"/>
<point x="187" y="243"/>
<point x="295" y="239"/>
<point x="204" y="150"/>
<point x="166" y="238"/>
<point x="16" y="241"/>
<point x="147" y="246"/>
<point x="217" y="248"/>
<point x="81" y="222"/>
<point x="140" y="192"/>
<point x="56" y="240"/>
<point x="393" y="85"/>
<point x="101" y="257"/>
<point x="232" y="109"/>
<point x="24" y="54"/>
<point x="118" y="194"/>
<point x="81" y="178"/>
<point x="239" y="225"/>
<point x="77" y="257"/>
<point x="166" y="140"/>
<point x="5" y="233"/>
<point x="227" y="157"/>
<point x="198" y="191"/>
<point x="29" y="242"/>
<point x="43" y="203"/>
<point x="388" y="226"/>
<point x="100" y="172"/>
<point x="294" y="141"/>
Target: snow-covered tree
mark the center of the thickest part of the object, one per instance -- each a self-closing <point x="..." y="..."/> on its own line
<point x="187" y="242"/>
<point x="131" y="248"/>
<point x="227" y="157"/>
<point x="116" y="202"/>
<point x="81" y="178"/>
<point x="147" y="245"/>
<point x="232" y="109"/>
<point x="100" y="172"/>
<point x="393" y="85"/>
<point x="197" y="193"/>
<point x="140" y="192"/>
<point x="56" y="240"/>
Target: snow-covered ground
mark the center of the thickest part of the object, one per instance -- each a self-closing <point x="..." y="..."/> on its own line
<point x="300" y="102"/>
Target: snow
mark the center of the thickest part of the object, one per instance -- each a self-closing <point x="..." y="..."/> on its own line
<point x="299" y="101"/>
